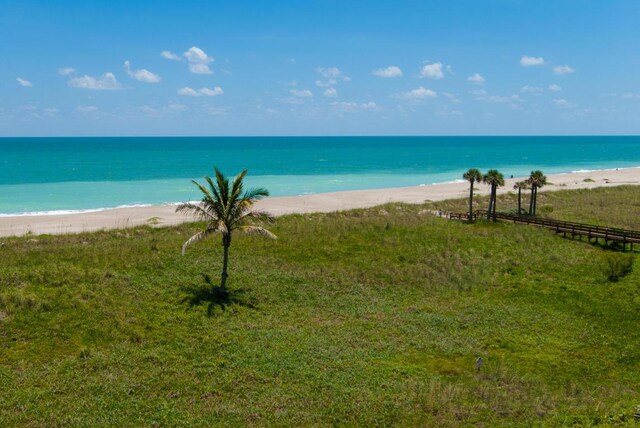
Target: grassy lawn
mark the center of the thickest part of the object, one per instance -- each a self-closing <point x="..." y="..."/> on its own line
<point x="369" y="317"/>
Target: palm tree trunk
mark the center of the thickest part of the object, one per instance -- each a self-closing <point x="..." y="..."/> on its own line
<point x="471" y="203"/>
<point x="495" y="195"/>
<point x="226" y="243"/>
<point x="535" y="201"/>
<point x="519" y="200"/>
<point x="490" y="209"/>
<point x="533" y="191"/>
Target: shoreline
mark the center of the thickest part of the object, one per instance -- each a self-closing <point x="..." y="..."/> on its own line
<point x="165" y="215"/>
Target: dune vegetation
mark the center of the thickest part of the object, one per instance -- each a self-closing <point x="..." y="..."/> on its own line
<point x="369" y="317"/>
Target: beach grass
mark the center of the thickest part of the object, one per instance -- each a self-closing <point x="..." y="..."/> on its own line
<point x="368" y="317"/>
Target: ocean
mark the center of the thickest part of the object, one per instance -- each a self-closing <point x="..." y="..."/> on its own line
<point x="53" y="175"/>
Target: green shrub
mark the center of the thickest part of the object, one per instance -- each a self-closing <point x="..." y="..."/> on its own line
<point x="545" y="209"/>
<point x="616" y="266"/>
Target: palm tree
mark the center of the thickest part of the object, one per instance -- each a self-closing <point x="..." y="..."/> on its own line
<point x="495" y="179"/>
<point x="472" y="176"/>
<point x="520" y="185"/>
<point x="536" y="180"/>
<point x="226" y="208"/>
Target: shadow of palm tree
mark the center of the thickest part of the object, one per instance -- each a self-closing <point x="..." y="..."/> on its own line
<point x="214" y="296"/>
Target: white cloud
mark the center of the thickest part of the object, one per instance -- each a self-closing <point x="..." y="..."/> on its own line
<point x="562" y="103"/>
<point x="176" y="107"/>
<point x="417" y="94"/>
<point x="65" y="71"/>
<point x="36" y="112"/>
<point x="391" y="71"/>
<point x="86" y="109"/>
<point x="197" y="55"/>
<point x="531" y="61"/>
<point x="555" y="88"/>
<point x="200" y="69"/>
<point x="476" y="78"/>
<point x="330" y="72"/>
<point x="149" y="111"/>
<point x="23" y="82"/>
<point x="562" y="70"/>
<point x="106" y="82"/>
<point x="190" y="92"/>
<point x="212" y="92"/>
<point x="301" y="93"/>
<point x="531" y="89"/>
<point x="198" y="61"/>
<point x="503" y="99"/>
<point x="445" y="111"/>
<point x="49" y="111"/>
<point x="162" y="111"/>
<point x="328" y="83"/>
<point x="630" y="95"/>
<point x="170" y="55"/>
<point x="292" y="100"/>
<point x="432" y="71"/>
<point x="142" y="75"/>
<point x="482" y="95"/>
<point x="215" y="111"/>
<point x="348" y="106"/>
<point x="451" y="97"/>
<point x="331" y="93"/>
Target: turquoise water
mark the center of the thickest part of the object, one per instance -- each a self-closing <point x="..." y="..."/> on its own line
<point x="65" y="174"/>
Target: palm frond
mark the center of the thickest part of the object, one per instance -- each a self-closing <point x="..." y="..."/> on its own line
<point x="204" y="190"/>
<point x="257" y="230"/>
<point x="237" y="185"/>
<point x="240" y="205"/>
<point x="472" y="175"/>
<point x="219" y="227"/>
<point x="259" y="215"/>
<point x="494" y="178"/>
<point x="255" y="194"/>
<point x="212" y="202"/>
<point x="196" y="238"/>
<point x="195" y="209"/>
<point x="222" y="187"/>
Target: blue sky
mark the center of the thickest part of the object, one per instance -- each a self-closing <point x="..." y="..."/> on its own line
<point x="493" y="67"/>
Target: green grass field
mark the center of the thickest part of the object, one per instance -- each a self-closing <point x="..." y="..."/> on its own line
<point x="369" y="317"/>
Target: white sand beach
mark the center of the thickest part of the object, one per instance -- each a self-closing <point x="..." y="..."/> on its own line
<point x="325" y="202"/>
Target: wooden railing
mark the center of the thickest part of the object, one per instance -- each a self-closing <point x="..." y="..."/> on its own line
<point x="591" y="231"/>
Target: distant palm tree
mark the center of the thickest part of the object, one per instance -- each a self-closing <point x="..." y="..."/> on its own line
<point x="520" y="186"/>
<point x="536" y="180"/>
<point x="472" y="176"/>
<point x="226" y="207"/>
<point x="495" y="179"/>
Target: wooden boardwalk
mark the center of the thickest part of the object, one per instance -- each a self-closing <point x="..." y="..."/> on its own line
<point x="609" y="235"/>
